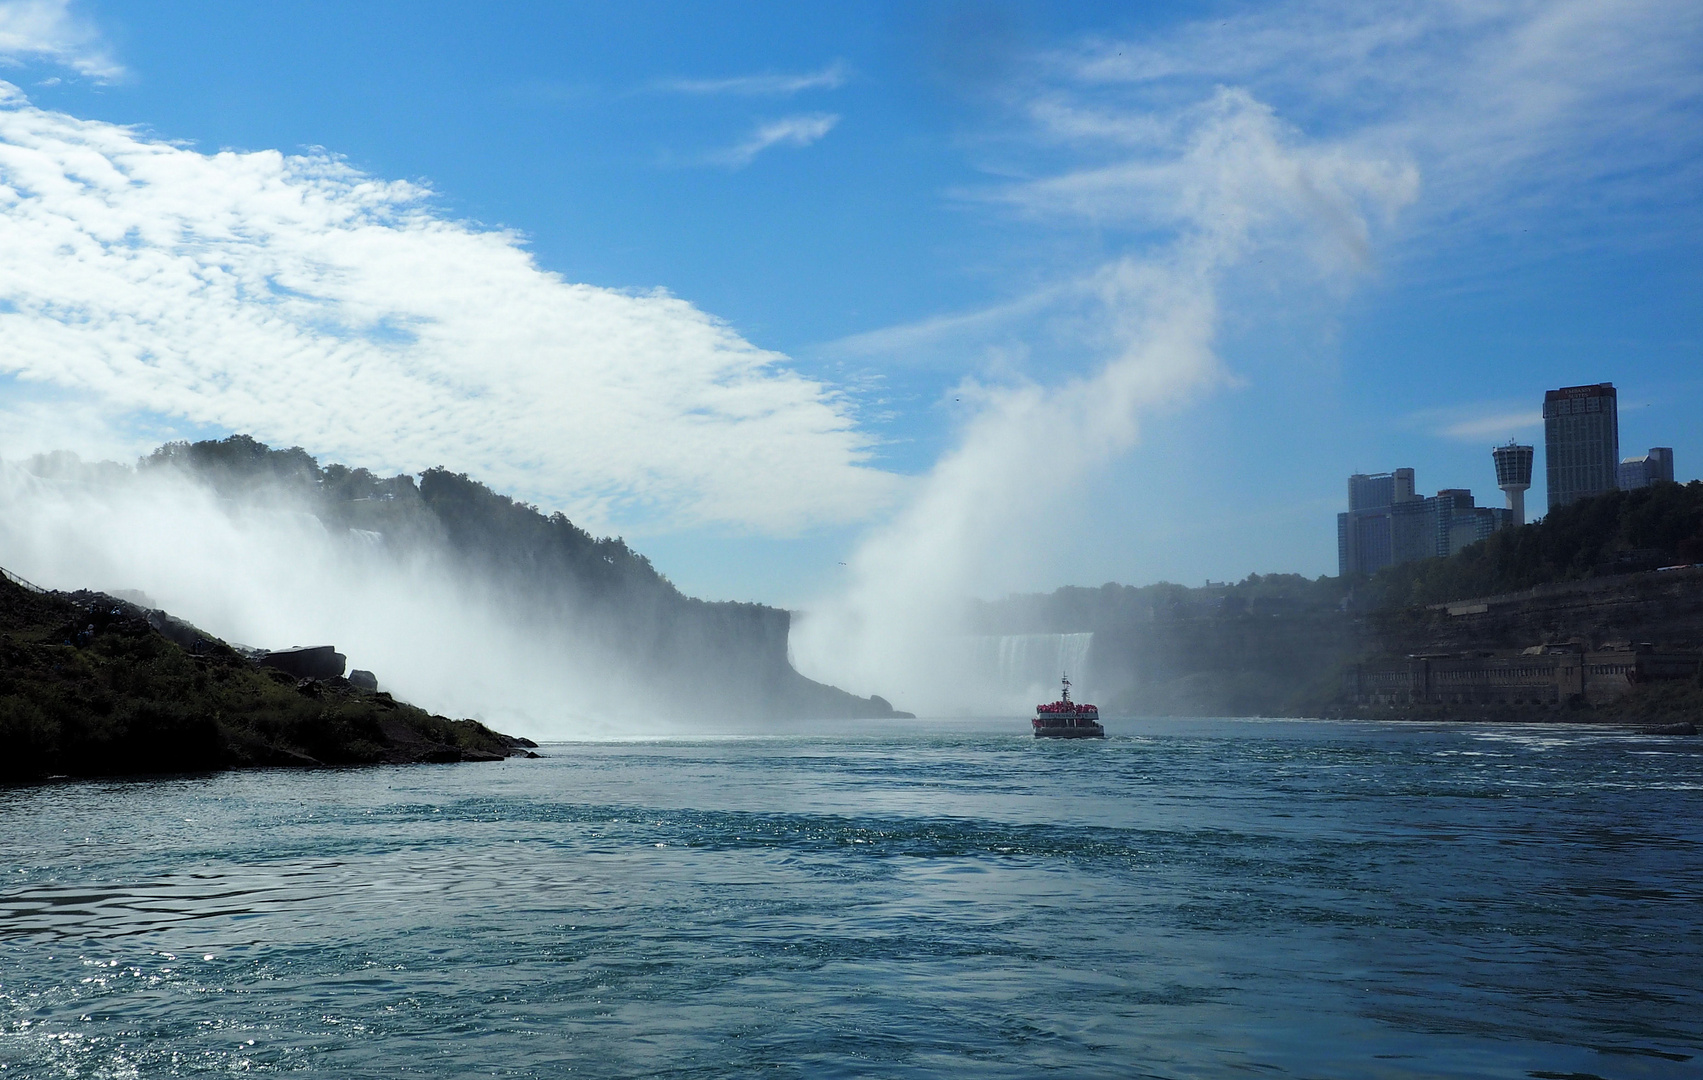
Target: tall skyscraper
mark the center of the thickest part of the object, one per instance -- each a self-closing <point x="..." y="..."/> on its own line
<point x="1514" y="476"/>
<point x="1581" y="442"/>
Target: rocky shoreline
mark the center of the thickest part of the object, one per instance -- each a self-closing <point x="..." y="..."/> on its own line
<point x="92" y="685"/>
<point x="1449" y="714"/>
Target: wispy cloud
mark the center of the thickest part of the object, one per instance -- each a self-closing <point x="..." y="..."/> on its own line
<point x="1572" y="119"/>
<point x="829" y="78"/>
<point x="49" y="30"/>
<point x="1580" y="111"/>
<point x="1475" y="422"/>
<point x="308" y="303"/>
<point x="801" y="130"/>
<point x="913" y="343"/>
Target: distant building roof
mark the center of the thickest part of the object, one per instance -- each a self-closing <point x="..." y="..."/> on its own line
<point x="1593" y="390"/>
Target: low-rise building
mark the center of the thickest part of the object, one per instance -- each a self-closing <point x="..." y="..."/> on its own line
<point x="1543" y="675"/>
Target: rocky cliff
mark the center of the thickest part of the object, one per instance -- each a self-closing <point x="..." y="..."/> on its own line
<point x="1662" y="606"/>
<point x="91" y="686"/>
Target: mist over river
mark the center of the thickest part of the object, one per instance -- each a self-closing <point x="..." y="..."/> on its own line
<point x="1185" y="899"/>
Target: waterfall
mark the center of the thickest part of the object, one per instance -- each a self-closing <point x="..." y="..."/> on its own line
<point x="1022" y="669"/>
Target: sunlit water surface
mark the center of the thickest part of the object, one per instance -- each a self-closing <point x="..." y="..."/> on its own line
<point x="1205" y="898"/>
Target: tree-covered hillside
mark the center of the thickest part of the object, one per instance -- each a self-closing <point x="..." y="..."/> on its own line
<point x="1110" y="607"/>
<point x="1615" y="533"/>
<point x="699" y="658"/>
<point x="501" y="532"/>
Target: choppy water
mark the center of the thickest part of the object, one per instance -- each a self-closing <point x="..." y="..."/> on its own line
<point x="1227" y="898"/>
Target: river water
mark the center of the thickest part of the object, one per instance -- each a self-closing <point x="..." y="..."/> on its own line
<point x="1185" y="899"/>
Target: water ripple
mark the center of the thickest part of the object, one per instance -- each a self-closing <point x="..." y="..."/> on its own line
<point x="1184" y="900"/>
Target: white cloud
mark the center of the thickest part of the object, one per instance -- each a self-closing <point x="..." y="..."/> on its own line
<point x="799" y="130"/>
<point x="49" y="30"/>
<point x="829" y="78"/>
<point x="307" y="303"/>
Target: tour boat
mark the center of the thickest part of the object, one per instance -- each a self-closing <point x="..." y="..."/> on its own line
<point x="1066" y="719"/>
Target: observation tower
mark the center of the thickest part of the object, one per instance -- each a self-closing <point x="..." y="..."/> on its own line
<point x="1514" y="476"/>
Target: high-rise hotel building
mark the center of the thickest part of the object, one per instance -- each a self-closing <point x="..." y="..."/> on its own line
<point x="1388" y="522"/>
<point x="1581" y="442"/>
<point x="1364" y="539"/>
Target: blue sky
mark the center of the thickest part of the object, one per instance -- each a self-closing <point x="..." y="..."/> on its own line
<point x="1318" y="237"/>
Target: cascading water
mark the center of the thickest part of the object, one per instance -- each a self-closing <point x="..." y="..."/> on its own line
<point x="1020" y="670"/>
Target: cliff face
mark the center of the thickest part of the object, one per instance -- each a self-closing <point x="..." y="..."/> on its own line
<point x="1611" y="634"/>
<point x="1616" y="647"/>
<point x="1664" y="607"/>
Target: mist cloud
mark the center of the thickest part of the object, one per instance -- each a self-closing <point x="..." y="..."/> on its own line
<point x="1297" y="132"/>
<point x="264" y="571"/>
<point x="308" y="303"/>
<point x="1014" y="486"/>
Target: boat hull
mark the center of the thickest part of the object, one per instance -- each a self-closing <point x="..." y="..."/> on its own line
<point x="1082" y="729"/>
